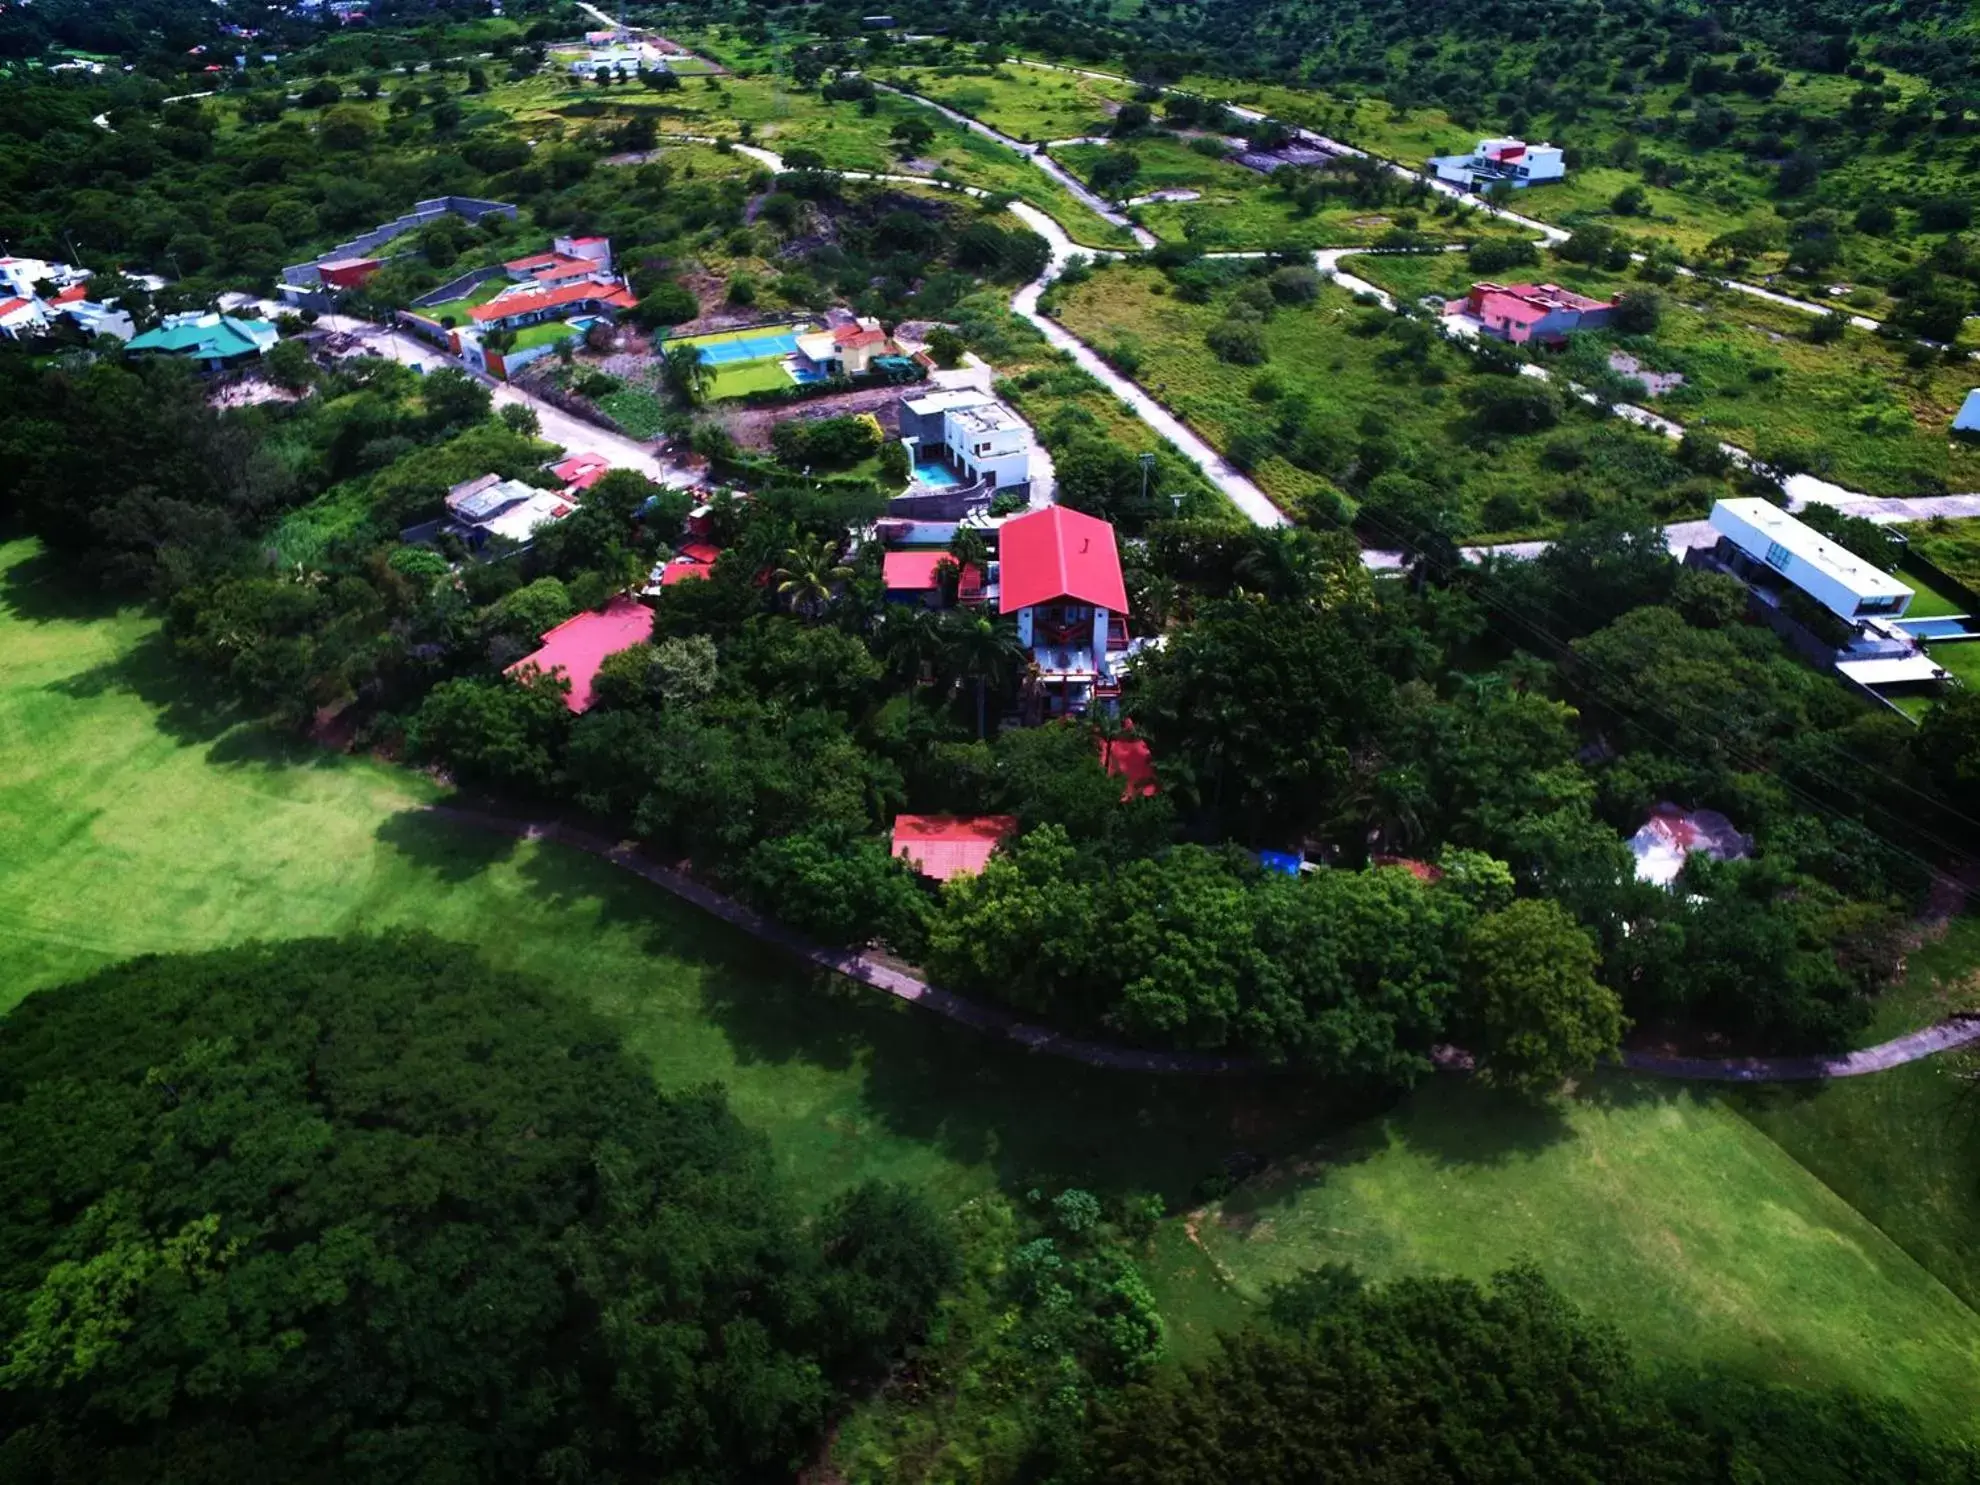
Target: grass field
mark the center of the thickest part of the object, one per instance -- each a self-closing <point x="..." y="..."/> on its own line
<point x="1953" y="547"/>
<point x="1854" y="409"/>
<point x="531" y="336"/>
<point x="1508" y="488"/>
<point x="134" y="818"/>
<point x="1023" y="102"/>
<point x="1728" y="1253"/>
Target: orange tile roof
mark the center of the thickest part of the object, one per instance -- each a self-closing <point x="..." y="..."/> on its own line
<point x="527" y="301"/>
<point x="944" y="846"/>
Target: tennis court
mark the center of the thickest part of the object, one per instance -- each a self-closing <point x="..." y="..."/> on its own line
<point x="747" y="345"/>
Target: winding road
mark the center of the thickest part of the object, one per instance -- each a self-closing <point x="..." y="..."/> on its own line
<point x="905" y="985"/>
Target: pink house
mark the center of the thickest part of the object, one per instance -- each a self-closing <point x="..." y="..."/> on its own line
<point x="1522" y="313"/>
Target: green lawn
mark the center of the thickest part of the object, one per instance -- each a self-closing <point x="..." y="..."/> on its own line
<point x="1932" y="598"/>
<point x="548" y="333"/>
<point x="1952" y="546"/>
<point x="1666" y="1212"/>
<point x="1024" y="102"/>
<point x="737" y="377"/>
<point x="635" y="410"/>
<point x="1962" y="658"/>
<point x="135" y="818"/>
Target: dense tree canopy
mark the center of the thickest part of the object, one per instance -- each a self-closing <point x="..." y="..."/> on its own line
<point x="371" y="1210"/>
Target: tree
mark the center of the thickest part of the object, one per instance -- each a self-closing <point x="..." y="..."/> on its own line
<point x="911" y="135"/>
<point x="500" y="734"/>
<point x="289" y="366"/>
<point x="1537" y="1011"/>
<point x="454" y="399"/>
<point x="1114" y="171"/>
<point x="685" y="373"/>
<point x="811" y="573"/>
<point x="521" y="418"/>
<point x="1132" y="118"/>
<point x="983" y="653"/>
<point x="840" y="888"/>
<point x="1415" y="1380"/>
<point x="1512" y="404"/>
<point x="1638" y="311"/>
<point x="322" y="1201"/>
<point x="945" y="345"/>
<point x="668" y="303"/>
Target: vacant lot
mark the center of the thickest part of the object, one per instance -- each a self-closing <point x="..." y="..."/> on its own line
<point x="1026" y="103"/>
<point x="1334" y="374"/>
<point x="1855" y="410"/>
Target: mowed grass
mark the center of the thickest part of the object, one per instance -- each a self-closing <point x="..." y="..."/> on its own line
<point x="1658" y="1209"/>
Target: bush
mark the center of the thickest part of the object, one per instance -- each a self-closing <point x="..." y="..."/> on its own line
<point x="669" y="303"/>
<point x="1496" y="254"/>
<point x="1512" y="404"/>
<point x="1638" y="311"/>
<point x="1240" y="342"/>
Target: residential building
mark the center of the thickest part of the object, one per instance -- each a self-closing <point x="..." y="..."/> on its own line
<point x="1767" y="547"/>
<point x="1967" y="420"/>
<point x="912" y="577"/>
<point x="348" y="273"/>
<point x="1539" y="314"/>
<point x="580" y="471"/>
<point x="943" y="846"/>
<point x="1060" y="575"/>
<point x="848" y="349"/>
<point x="974" y="434"/>
<point x="531" y="304"/>
<point x="26" y="278"/>
<point x="216" y="342"/>
<point x="489" y="505"/>
<point x="570" y="260"/>
<point x="691" y="562"/>
<point x="577" y="647"/>
<point x="23" y="319"/>
<point x="1505" y="161"/>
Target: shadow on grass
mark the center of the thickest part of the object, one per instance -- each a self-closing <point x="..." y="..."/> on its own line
<point x="43" y="589"/>
<point x="452" y="853"/>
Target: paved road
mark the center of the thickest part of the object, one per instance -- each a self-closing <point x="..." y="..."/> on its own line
<point x="905" y="985"/>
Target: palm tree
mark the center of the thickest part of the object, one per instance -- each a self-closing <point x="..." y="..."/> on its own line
<point x="911" y="642"/>
<point x="811" y="572"/>
<point x="685" y="373"/>
<point x="985" y="651"/>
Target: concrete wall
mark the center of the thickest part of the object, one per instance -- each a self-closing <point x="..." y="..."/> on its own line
<point x="455" y="288"/>
<point x="366" y="245"/>
<point x="943" y="505"/>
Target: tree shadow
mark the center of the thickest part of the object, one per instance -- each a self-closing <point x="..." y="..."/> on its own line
<point x="452" y="852"/>
<point x="182" y="701"/>
<point x="43" y="589"/>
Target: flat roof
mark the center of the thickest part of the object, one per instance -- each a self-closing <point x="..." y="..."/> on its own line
<point x="1805" y="544"/>
<point x="944" y="846"/>
<point x="936" y="402"/>
<point x="1897" y="671"/>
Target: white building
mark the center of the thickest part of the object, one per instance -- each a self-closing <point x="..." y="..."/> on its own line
<point x="492" y="506"/>
<point x="1842" y="582"/>
<point x="979" y="435"/>
<point x="1511" y="161"/>
<point x="20" y="277"/>
<point x="625" y="60"/>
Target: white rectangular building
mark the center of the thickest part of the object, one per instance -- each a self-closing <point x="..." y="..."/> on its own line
<point x="1847" y="585"/>
<point x="980" y="435"/>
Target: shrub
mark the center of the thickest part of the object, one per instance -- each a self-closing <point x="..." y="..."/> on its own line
<point x="1240" y="342"/>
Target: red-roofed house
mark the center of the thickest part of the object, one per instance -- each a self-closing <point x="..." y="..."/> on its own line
<point x="910" y="577"/>
<point x="74" y="294"/>
<point x="1129" y="760"/>
<point x="531" y="304"/>
<point x="944" y="846"/>
<point x="21" y="319"/>
<point x="578" y="646"/>
<point x="847" y="349"/>
<point x="1061" y="576"/>
<point x="1532" y="312"/>
<point x="580" y="471"/>
<point x="348" y="273"/>
<point x="693" y="559"/>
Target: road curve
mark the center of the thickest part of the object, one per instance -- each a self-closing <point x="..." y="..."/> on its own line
<point x="992" y="1021"/>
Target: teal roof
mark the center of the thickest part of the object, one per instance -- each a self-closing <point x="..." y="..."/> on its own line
<point x="216" y="339"/>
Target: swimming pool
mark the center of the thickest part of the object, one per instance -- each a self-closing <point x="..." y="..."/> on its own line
<point x="1953" y="628"/>
<point x="932" y="474"/>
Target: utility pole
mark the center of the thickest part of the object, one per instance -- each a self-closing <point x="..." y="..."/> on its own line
<point x="1147" y="464"/>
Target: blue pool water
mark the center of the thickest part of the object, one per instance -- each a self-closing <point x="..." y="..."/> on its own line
<point x="1937" y="628"/>
<point x="760" y="346"/>
<point x="804" y="373"/>
<point x="934" y="475"/>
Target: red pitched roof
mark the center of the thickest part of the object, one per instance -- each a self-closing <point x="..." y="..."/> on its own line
<point x="944" y="846"/>
<point x="578" y="646"/>
<point x="71" y="294"/>
<point x="914" y="572"/>
<point x="526" y="300"/>
<point x="682" y="572"/>
<point x="534" y="260"/>
<point x="1128" y="759"/>
<point x="1059" y="553"/>
<point x="8" y="306"/>
<point x="581" y="470"/>
<point x="851" y="337"/>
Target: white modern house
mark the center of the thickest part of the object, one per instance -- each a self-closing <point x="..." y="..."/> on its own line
<point x="980" y="436"/>
<point x="1513" y="162"/>
<point x="1772" y="541"/>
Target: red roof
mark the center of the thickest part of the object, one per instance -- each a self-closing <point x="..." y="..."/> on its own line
<point x="581" y="470"/>
<point x="944" y="846"/>
<point x="578" y="240"/>
<point x="1059" y="553"/>
<point x="851" y="337"/>
<point x="682" y="572"/>
<point x="1423" y="871"/>
<point x="525" y="301"/>
<point x="71" y="294"/>
<point x="1128" y="758"/>
<point x="1500" y="304"/>
<point x="534" y="260"/>
<point x="914" y="572"/>
<point x="578" y="646"/>
<point x="8" y="306"/>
